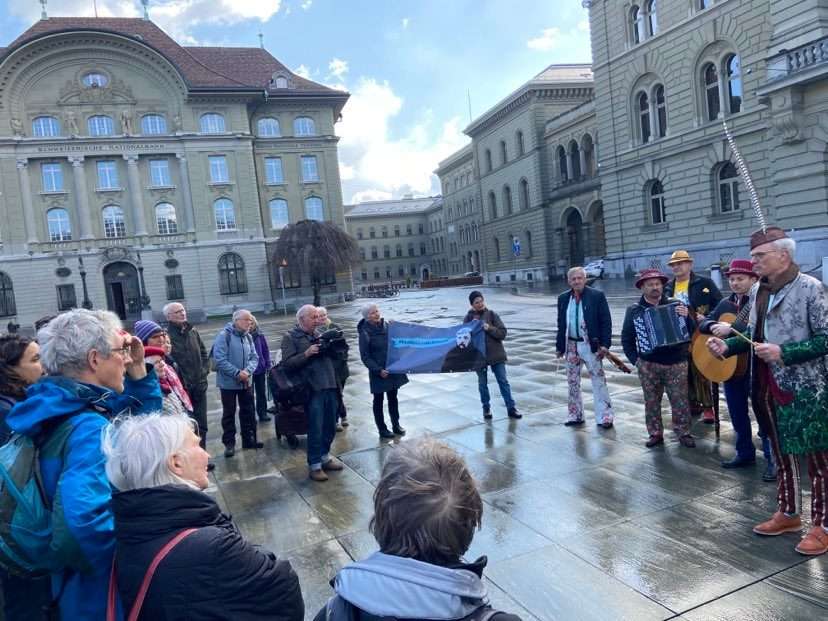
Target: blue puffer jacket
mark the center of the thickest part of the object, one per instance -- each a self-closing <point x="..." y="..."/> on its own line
<point x="233" y="355"/>
<point x="83" y="527"/>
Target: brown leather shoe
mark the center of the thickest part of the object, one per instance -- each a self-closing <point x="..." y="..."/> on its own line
<point x="332" y="464"/>
<point x="318" y="476"/>
<point x="687" y="441"/>
<point x="654" y="441"/>
<point x="814" y="543"/>
<point x="779" y="524"/>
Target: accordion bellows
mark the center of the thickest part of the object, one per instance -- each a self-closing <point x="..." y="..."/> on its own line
<point x="660" y="326"/>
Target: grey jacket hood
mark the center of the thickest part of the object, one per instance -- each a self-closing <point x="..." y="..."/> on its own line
<point x="385" y="585"/>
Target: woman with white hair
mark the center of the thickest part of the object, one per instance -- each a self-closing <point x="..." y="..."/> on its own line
<point x="160" y="471"/>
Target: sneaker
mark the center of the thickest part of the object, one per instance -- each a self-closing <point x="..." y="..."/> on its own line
<point x="487" y="413"/>
<point x="654" y="441"/>
<point x="252" y="445"/>
<point x="317" y="475"/>
<point x="513" y="413"/>
<point x="606" y="422"/>
<point x="778" y="524"/>
<point x="574" y="423"/>
<point x="229" y="451"/>
<point x="708" y="416"/>
<point x="769" y="474"/>
<point x="814" y="543"/>
<point x="210" y="466"/>
<point x="384" y="434"/>
<point x="738" y="462"/>
<point x="687" y="441"/>
<point x="333" y="464"/>
<point x="398" y="431"/>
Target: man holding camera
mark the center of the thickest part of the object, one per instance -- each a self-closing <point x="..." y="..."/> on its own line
<point x="302" y="353"/>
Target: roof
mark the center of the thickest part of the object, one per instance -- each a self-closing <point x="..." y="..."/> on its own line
<point x="413" y="206"/>
<point x="579" y="73"/>
<point x="201" y="67"/>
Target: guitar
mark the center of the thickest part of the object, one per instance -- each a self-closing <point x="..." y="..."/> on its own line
<point x="720" y="369"/>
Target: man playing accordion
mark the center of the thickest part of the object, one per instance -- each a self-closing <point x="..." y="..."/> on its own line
<point x="660" y="355"/>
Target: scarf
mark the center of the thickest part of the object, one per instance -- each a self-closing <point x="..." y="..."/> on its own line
<point x="170" y="382"/>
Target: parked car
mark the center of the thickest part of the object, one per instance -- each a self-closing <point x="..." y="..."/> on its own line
<point x="471" y="274"/>
<point x="595" y="269"/>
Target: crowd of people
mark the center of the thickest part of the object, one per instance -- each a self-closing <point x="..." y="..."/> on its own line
<point x="118" y="424"/>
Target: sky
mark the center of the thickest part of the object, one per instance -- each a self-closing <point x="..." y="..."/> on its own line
<point x="412" y="67"/>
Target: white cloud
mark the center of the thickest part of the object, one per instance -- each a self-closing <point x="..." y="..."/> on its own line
<point x="383" y="163"/>
<point x="574" y="41"/>
<point x="303" y="72"/>
<point x="306" y="4"/>
<point x="364" y="196"/>
<point x="346" y="173"/>
<point x="405" y="22"/>
<point x="550" y="38"/>
<point x="338" y="68"/>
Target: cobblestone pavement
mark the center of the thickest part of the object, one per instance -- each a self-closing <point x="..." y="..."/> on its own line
<point x="578" y="524"/>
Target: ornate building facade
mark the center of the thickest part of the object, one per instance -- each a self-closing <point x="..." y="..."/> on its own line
<point x="135" y="171"/>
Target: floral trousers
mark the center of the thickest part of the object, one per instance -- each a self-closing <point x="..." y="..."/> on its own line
<point x="655" y="380"/>
<point x="578" y="353"/>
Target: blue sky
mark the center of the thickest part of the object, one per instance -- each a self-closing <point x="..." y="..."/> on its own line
<point x="408" y="64"/>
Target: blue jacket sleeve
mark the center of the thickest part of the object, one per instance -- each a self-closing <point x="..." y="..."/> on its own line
<point x="221" y="354"/>
<point x="140" y="396"/>
<point x="253" y="357"/>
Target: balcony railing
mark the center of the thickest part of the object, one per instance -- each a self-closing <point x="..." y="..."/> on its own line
<point x="803" y="58"/>
<point x="111" y="242"/>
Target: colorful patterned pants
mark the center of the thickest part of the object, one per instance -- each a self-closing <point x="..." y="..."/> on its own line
<point x="578" y="353"/>
<point x="655" y="379"/>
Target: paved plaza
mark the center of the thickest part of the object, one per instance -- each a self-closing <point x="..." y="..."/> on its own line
<point x="578" y="524"/>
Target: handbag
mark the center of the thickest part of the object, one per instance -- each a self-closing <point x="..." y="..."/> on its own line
<point x="135" y="611"/>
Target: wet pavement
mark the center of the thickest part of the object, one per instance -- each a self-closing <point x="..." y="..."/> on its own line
<point x="578" y="523"/>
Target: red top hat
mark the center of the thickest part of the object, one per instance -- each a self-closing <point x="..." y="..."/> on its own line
<point x="741" y="266"/>
<point x="648" y="274"/>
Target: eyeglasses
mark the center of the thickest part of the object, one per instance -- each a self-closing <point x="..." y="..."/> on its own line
<point x="761" y="255"/>
<point x="125" y="352"/>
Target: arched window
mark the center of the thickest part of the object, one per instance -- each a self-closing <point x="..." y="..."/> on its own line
<point x="524" y="194"/>
<point x="702" y="4"/>
<point x="575" y="157"/>
<point x="279" y="215"/>
<point x="268" y="127"/>
<point x="113" y="221"/>
<point x="165" y="219"/>
<point x="304" y="126"/>
<point x="153" y="125"/>
<point x="280" y="82"/>
<point x="212" y="123"/>
<point x="45" y="127"/>
<point x="728" y="183"/>
<point x="492" y="206"/>
<point x="59" y="225"/>
<point x="528" y="244"/>
<point x="655" y="196"/>
<point x="504" y="155"/>
<point x="232" y="278"/>
<point x="7" y="305"/>
<point x="489" y="161"/>
<point x="314" y="209"/>
<point x="733" y="68"/>
<point x="652" y="19"/>
<point x="95" y="80"/>
<point x="711" y="91"/>
<point x="562" y="164"/>
<point x="644" y="116"/>
<point x="497" y="249"/>
<point x="225" y="214"/>
<point x="661" y="110"/>
<point x="507" y="200"/>
<point x="636" y="24"/>
<point x="521" y="149"/>
<point x="100" y="125"/>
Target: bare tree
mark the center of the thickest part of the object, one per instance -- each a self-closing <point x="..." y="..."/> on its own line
<point x="318" y="249"/>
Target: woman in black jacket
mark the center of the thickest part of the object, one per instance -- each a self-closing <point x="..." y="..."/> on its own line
<point x="213" y="573"/>
<point x="373" y="349"/>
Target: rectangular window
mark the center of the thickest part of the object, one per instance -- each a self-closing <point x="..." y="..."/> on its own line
<point x="52" y="177"/>
<point x="309" y="170"/>
<point x="273" y="170"/>
<point x="66" y="297"/>
<point x="218" y="169"/>
<point x="159" y="171"/>
<point x="107" y="175"/>
<point x="175" y="287"/>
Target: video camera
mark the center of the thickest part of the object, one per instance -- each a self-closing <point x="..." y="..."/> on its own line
<point x="332" y="343"/>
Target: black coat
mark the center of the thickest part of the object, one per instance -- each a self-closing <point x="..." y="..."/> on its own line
<point x="318" y="371"/>
<point x="373" y="349"/>
<point x="674" y="354"/>
<point x="703" y="293"/>
<point x="211" y="574"/>
<point x="189" y="352"/>
<point x="730" y="304"/>
<point x="596" y="316"/>
<point x="495" y="352"/>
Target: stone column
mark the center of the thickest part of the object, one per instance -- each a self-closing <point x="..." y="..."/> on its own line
<point x="82" y="203"/>
<point x="186" y="192"/>
<point x="138" y="216"/>
<point x="582" y="156"/>
<point x="26" y="196"/>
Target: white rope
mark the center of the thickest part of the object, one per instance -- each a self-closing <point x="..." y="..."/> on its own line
<point x="741" y="166"/>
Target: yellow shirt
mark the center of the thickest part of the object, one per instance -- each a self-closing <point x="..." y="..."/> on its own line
<point x="680" y="291"/>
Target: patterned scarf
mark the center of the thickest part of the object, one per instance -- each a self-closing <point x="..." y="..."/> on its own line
<point x="170" y="382"/>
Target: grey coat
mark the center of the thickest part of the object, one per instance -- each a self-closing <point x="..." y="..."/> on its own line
<point x="233" y="356"/>
<point x="318" y="371"/>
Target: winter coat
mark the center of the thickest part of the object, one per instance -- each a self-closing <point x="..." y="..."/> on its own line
<point x="797" y="320"/>
<point x="75" y="483"/>
<point x="212" y="573"/>
<point x="703" y="293"/>
<point x="318" y="371"/>
<point x="373" y="349"/>
<point x="673" y="354"/>
<point x="189" y="352"/>
<point x="385" y="586"/>
<point x="340" y="363"/>
<point x="234" y="355"/>
<point x="597" y="318"/>
<point x="262" y="351"/>
<point x="6" y="404"/>
<point x="495" y="352"/>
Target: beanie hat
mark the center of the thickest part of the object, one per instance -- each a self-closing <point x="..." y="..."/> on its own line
<point x="144" y="329"/>
<point x="474" y="295"/>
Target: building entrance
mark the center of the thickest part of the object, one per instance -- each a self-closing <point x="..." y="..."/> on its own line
<point x="123" y="296"/>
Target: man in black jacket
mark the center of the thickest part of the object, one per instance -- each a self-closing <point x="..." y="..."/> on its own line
<point x="702" y="295"/>
<point x="495" y="356"/>
<point x="663" y="368"/>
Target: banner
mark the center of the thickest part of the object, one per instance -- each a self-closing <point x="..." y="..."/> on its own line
<point x="413" y="348"/>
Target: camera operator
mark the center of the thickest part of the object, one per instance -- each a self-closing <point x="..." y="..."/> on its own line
<point x="302" y="353"/>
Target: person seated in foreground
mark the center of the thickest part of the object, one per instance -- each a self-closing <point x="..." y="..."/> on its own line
<point x="159" y="469"/>
<point x="426" y="508"/>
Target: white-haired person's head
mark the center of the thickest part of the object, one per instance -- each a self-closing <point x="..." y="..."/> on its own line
<point x="306" y="317"/>
<point x="155" y="449"/>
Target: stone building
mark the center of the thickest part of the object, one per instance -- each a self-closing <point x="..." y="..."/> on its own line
<point x="134" y="170"/>
<point x="666" y="75"/>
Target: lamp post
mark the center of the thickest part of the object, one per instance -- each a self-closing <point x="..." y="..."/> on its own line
<point x="87" y="303"/>
<point x="282" y="267"/>
<point x="142" y="293"/>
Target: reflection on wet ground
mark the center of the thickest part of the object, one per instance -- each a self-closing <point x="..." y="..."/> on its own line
<point x="578" y="524"/>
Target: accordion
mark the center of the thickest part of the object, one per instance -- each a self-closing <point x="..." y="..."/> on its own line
<point x="660" y="326"/>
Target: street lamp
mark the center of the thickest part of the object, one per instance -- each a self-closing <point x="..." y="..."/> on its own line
<point x="142" y="293"/>
<point x="87" y="303"/>
<point x="282" y="267"/>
